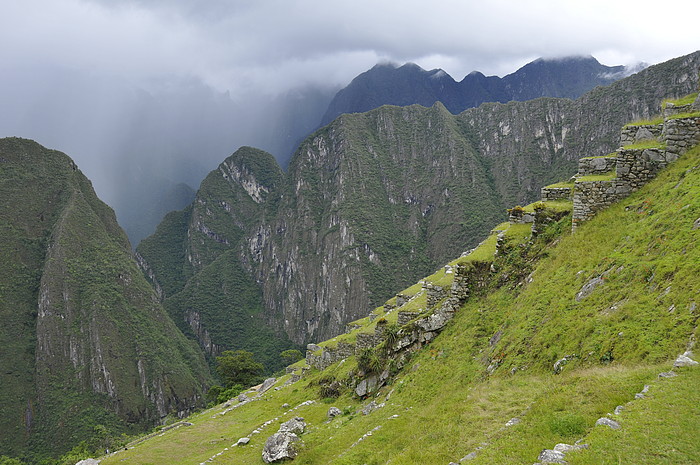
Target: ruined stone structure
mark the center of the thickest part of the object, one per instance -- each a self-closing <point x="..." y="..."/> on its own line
<point x="645" y="150"/>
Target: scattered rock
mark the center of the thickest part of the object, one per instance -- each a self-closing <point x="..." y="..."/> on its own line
<point x="667" y="374"/>
<point x="89" y="462"/>
<point x="242" y="398"/>
<point x="285" y="405"/>
<point x="267" y="384"/>
<point x="640" y="395"/>
<point x="371" y="407"/>
<point x="608" y="422"/>
<point x="295" y="425"/>
<point x="513" y="421"/>
<point x="551" y="456"/>
<point x="242" y="441"/>
<point x="619" y="409"/>
<point x="566" y="448"/>
<point x="696" y="225"/>
<point x="559" y="364"/>
<point x="470" y="456"/>
<point x="366" y="386"/>
<point x="333" y="412"/>
<point x="684" y="360"/>
<point x="588" y="288"/>
<point x="280" y="446"/>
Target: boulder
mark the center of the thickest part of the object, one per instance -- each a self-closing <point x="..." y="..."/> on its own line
<point x="333" y="412"/>
<point x="366" y="386"/>
<point x="242" y="398"/>
<point x="608" y="422"/>
<point x="267" y="384"/>
<point x="89" y="462"/>
<point x="242" y="441"/>
<point x="565" y="448"/>
<point x="280" y="446"/>
<point x="551" y="456"/>
<point x="588" y="288"/>
<point x="684" y="360"/>
<point x="295" y="425"/>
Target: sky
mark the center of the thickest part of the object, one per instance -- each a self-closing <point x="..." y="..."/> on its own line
<point x="243" y="46"/>
<point x="132" y="89"/>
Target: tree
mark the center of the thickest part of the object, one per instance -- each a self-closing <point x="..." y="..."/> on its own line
<point x="238" y="367"/>
<point x="290" y="356"/>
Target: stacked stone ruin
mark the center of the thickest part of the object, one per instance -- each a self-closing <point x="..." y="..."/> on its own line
<point x="417" y="327"/>
<point x="629" y="168"/>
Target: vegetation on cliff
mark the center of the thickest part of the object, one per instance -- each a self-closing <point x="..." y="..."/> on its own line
<point x="530" y="360"/>
<point x="86" y="347"/>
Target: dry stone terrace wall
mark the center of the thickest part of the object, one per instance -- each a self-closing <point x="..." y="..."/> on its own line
<point x="633" y="167"/>
<point x="555" y="193"/>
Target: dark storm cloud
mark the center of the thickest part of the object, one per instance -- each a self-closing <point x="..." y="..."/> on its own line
<point x="133" y="89"/>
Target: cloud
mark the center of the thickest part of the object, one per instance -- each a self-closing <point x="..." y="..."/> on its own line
<point x="136" y="88"/>
<point x="238" y="45"/>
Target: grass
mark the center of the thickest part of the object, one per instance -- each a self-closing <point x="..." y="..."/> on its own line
<point x="695" y="114"/>
<point x="647" y="122"/>
<point x="597" y="177"/>
<point x="681" y="101"/>
<point x="660" y="429"/>
<point x="645" y="144"/>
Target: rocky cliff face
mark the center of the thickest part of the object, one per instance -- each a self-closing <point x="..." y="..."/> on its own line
<point x="374" y="201"/>
<point x="87" y="342"/>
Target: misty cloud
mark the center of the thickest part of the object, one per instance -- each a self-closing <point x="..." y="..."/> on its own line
<point x="160" y="91"/>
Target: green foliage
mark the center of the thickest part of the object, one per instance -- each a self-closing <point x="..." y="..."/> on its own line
<point x="690" y="98"/>
<point x="4" y="460"/>
<point x="568" y="425"/>
<point x="238" y="367"/>
<point x="290" y="356"/>
<point x="99" y="314"/>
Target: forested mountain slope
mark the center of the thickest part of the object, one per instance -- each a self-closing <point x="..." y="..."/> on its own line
<point x="86" y="345"/>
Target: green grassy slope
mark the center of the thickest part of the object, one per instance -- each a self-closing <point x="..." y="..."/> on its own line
<point x="494" y="361"/>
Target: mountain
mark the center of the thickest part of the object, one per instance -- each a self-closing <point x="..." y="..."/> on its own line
<point x="374" y="201"/>
<point x="541" y="345"/>
<point x="409" y="84"/>
<point x="86" y="346"/>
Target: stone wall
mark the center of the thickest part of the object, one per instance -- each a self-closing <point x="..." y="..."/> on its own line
<point x="435" y="294"/>
<point x="592" y="196"/>
<point x="681" y="134"/>
<point x="555" y="193"/>
<point x="634" y="167"/>
<point x="595" y="165"/>
<point x="637" y="133"/>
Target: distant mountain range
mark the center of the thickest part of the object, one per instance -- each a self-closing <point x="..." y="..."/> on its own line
<point x="387" y="84"/>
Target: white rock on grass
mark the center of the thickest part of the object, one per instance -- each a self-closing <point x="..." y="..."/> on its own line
<point x="551" y="456"/>
<point x="608" y="422"/>
<point x="684" y="360"/>
<point x="280" y="446"/>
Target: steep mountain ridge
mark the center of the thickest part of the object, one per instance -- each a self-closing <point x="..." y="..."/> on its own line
<point x="87" y="343"/>
<point x="386" y="84"/>
<point x="373" y="201"/>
